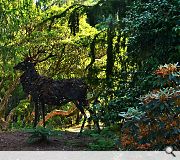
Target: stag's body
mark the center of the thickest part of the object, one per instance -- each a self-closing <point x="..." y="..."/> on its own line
<point x="53" y="92"/>
<point x="45" y="90"/>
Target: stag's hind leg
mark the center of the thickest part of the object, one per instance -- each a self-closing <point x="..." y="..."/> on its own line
<point x="79" y="105"/>
<point x="95" y="119"/>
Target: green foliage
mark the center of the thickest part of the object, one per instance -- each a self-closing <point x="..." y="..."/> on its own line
<point x="124" y="99"/>
<point x="153" y="28"/>
<point x="105" y="141"/>
<point x="132" y="113"/>
<point x="22" y="107"/>
<point x="41" y="134"/>
<point x="20" y="116"/>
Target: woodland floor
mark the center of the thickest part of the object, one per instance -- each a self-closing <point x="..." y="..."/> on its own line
<point x="67" y="141"/>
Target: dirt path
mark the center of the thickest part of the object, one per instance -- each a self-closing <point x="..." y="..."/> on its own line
<point x="68" y="141"/>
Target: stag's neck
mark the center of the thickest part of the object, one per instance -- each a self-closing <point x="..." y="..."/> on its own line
<point x="28" y="77"/>
<point x="32" y="72"/>
<point x="27" y="80"/>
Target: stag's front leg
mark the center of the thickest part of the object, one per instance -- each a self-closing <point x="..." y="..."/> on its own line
<point x="43" y="113"/>
<point x="84" y="121"/>
<point x="36" y="114"/>
<point x="95" y="119"/>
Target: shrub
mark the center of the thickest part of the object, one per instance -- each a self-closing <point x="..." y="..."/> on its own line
<point x="159" y="126"/>
<point x="41" y="134"/>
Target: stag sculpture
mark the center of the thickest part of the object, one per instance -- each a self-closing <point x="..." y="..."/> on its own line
<point x="45" y="90"/>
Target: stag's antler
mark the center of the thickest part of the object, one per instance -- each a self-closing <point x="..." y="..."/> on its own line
<point x="49" y="56"/>
<point x="34" y="58"/>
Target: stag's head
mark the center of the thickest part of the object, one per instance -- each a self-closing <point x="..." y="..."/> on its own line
<point x="25" y="65"/>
